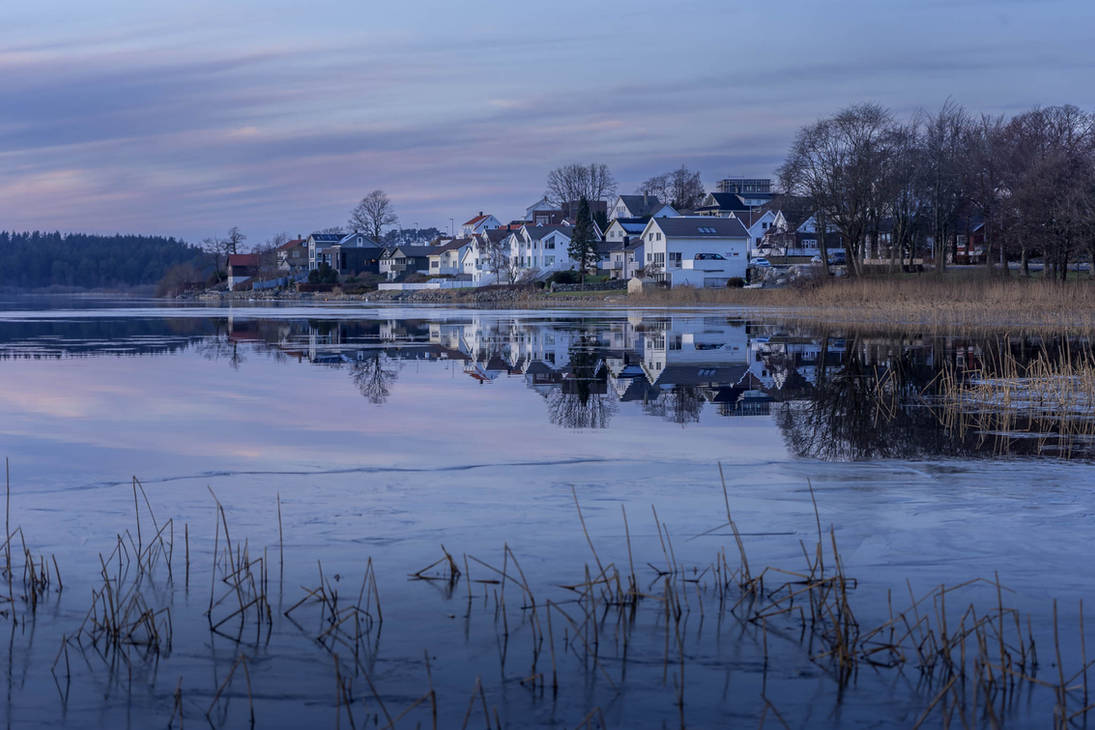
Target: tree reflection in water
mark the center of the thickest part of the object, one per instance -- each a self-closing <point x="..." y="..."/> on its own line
<point x="581" y="400"/>
<point x="374" y="375"/>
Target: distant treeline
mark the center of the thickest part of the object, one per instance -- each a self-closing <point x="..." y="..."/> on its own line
<point x="36" y="260"/>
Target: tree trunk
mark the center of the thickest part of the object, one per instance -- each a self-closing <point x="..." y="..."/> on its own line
<point x="1024" y="257"/>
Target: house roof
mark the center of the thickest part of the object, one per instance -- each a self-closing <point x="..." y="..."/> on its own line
<point x="603" y="247"/>
<point x="453" y="244"/>
<point x="541" y="231"/>
<point x="327" y="237"/>
<point x="412" y="251"/>
<point x="726" y="201"/>
<point x="477" y="219"/>
<point x="291" y="244"/>
<point x="701" y="226"/>
<point x="632" y="225"/>
<point x="702" y="374"/>
<point x="243" y="259"/>
<point x="641" y="205"/>
<point x="368" y="242"/>
<point x="497" y="234"/>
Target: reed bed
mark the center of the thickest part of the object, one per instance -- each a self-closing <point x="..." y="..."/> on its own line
<point x="966" y="300"/>
<point x="1049" y="397"/>
<point x="975" y="658"/>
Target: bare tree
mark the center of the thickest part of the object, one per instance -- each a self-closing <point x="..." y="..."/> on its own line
<point x="656" y="185"/>
<point x="944" y="160"/>
<point x="496" y="252"/>
<point x="839" y="163"/>
<point x="222" y="248"/>
<point x="235" y="239"/>
<point x="682" y="188"/>
<point x="576" y="181"/>
<point x="983" y="178"/>
<point x="373" y="214"/>
<point x="214" y="246"/>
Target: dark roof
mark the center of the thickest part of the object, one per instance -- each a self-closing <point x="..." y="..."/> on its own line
<point x="454" y="243"/>
<point x="540" y="231"/>
<point x="632" y="225"/>
<point x="539" y="367"/>
<point x="497" y="234"/>
<point x="641" y="205"/>
<point x="702" y="374"/>
<point x="603" y="247"/>
<point x="328" y="237"/>
<point x="367" y="243"/>
<point x="728" y="201"/>
<point x="702" y="226"/>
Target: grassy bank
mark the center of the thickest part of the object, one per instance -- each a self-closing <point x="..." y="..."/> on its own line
<point x="962" y="299"/>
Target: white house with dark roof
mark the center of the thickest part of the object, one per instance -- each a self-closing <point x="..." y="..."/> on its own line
<point x="541" y="249"/>
<point x="639" y="206"/>
<point x="447" y="258"/>
<point x="698" y="251"/>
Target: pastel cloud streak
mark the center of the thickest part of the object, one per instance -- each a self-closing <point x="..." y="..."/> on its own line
<point x="277" y="115"/>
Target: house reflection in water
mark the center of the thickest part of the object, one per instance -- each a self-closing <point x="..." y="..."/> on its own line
<point x="832" y="394"/>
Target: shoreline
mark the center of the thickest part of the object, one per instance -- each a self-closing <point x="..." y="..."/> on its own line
<point x="922" y="303"/>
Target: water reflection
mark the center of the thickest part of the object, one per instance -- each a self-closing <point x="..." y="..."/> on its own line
<point x="834" y="395"/>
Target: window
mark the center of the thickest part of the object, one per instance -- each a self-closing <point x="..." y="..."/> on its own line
<point x="549" y="244"/>
<point x="659" y="258"/>
<point x="549" y="261"/>
<point x="659" y="234"/>
<point x="675" y="259"/>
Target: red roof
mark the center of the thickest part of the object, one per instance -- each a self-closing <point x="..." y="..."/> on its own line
<point x="243" y="259"/>
<point x="476" y="220"/>
<point x="290" y="244"/>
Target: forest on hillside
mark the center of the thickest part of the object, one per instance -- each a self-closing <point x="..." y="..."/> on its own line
<point x="35" y="260"/>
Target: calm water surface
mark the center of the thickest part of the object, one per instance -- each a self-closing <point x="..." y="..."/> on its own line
<point x="387" y="433"/>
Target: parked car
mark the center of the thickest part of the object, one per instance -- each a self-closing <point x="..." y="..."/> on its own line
<point x="761" y="263"/>
<point x="709" y="257"/>
<point x="836" y="258"/>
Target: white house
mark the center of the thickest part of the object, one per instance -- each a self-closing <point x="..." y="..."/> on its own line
<point x="543" y="212"/>
<point x="698" y="251"/>
<point x="759" y="224"/>
<point x="447" y="259"/>
<point x="639" y="206"/>
<point x="483" y="256"/>
<point x="623" y="230"/>
<point x="478" y="224"/>
<point x="540" y="250"/>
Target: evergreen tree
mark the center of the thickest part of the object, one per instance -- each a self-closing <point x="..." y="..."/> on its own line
<point x="37" y="259"/>
<point x="583" y="243"/>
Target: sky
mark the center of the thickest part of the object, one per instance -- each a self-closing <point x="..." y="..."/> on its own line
<point x="188" y="118"/>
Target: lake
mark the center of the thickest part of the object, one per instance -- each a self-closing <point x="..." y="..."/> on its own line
<point x="401" y="529"/>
